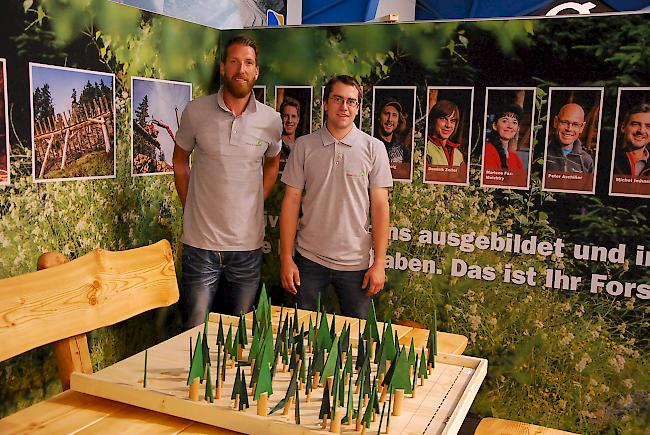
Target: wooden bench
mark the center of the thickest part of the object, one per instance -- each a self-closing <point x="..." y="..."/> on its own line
<point x="60" y="304"/>
<point x="499" y="426"/>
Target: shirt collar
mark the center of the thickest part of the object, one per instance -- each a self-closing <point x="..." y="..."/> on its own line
<point x="251" y="106"/>
<point x="348" y="140"/>
<point x="438" y="141"/>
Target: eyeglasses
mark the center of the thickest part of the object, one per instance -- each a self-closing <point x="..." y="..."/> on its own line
<point x="351" y="102"/>
<point x="570" y="125"/>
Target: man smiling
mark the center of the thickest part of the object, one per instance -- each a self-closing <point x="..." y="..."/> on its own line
<point x="633" y="156"/>
<point x="345" y="175"/>
<point x="565" y="152"/>
<point x="236" y="144"/>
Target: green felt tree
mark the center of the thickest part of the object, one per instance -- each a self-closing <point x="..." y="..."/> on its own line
<point x="295" y="318"/>
<point x="361" y="354"/>
<point x="196" y="367"/>
<point x="319" y="361"/>
<point x="208" y="386"/>
<point x="255" y="348"/>
<point x="401" y="378"/>
<point x="333" y="326"/>
<point x="323" y="339"/>
<point x="242" y="335"/>
<point x="412" y="355"/>
<point x="236" y="386"/>
<point x="205" y="349"/>
<point x="332" y="358"/>
<point x="335" y="391"/>
<point x="345" y="336"/>
<point x="310" y="374"/>
<point x="220" y="338"/>
<point x="325" y="407"/>
<point x="311" y="334"/>
<point x="342" y="388"/>
<point x="303" y="360"/>
<point x="263" y="311"/>
<point x="367" y="415"/>
<point x="291" y="391"/>
<point x="347" y="370"/>
<point x="229" y="341"/>
<point x="243" y="393"/>
<point x="264" y="382"/>
<point x="223" y="364"/>
<point x="297" y="405"/>
<point x="389" y="342"/>
<point x="415" y="373"/>
<point x="350" y="404"/>
<point x="371" y="330"/>
<point x="422" y="370"/>
<point x="255" y="328"/>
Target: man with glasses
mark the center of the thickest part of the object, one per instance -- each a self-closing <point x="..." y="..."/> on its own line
<point x="344" y="175"/>
<point x="565" y="152"/>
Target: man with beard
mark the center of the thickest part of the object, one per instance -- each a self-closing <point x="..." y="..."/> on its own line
<point x="633" y="157"/>
<point x="236" y="145"/>
<point x="344" y="175"/>
<point x="565" y="152"/>
<point x="392" y="122"/>
<point x="290" y="111"/>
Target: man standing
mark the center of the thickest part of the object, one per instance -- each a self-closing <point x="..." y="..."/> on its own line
<point x="633" y="157"/>
<point x="236" y="145"/>
<point x="345" y="175"/>
<point x="565" y="152"/>
<point x="391" y="124"/>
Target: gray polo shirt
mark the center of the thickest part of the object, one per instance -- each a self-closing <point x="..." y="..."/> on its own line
<point x="336" y="177"/>
<point x="224" y="210"/>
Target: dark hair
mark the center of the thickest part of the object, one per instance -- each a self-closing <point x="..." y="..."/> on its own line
<point x="289" y="101"/>
<point x="639" y="108"/>
<point x="244" y="40"/>
<point x="346" y="80"/>
<point x="443" y="109"/>
<point x="512" y="108"/>
<point x="501" y="112"/>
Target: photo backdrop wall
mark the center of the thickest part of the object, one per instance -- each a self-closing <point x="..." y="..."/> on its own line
<point x="551" y="287"/>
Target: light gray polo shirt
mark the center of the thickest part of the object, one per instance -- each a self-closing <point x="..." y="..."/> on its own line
<point x="224" y="210"/>
<point x="336" y="177"/>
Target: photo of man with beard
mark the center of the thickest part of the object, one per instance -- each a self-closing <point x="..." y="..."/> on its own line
<point x="631" y="163"/>
<point x="394" y="125"/>
<point x="236" y="145"/>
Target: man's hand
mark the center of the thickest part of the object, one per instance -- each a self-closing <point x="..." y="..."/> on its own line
<point x="289" y="275"/>
<point x="374" y="279"/>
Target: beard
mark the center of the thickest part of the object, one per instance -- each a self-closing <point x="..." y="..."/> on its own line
<point x="238" y="90"/>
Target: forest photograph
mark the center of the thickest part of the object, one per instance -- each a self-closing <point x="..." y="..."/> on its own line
<point x="4" y="126"/>
<point x="73" y="123"/>
<point x="157" y="109"/>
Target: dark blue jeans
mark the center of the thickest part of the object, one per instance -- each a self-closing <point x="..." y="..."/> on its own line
<point x="314" y="279"/>
<point x="202" y="271"/>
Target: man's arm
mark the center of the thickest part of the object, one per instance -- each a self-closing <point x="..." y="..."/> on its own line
<point x="380" y="218"/>
<point x="181" y="162"/>
<point x="271" y="167"/>
<point x="288" y="226"/>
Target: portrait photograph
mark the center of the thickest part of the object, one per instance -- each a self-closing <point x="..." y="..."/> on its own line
<point x="73" y="123"/>
<point x="294" y="104"/>
<point x="156" y="109"/>
<point x="572" y="138"/>
<point x="448" y="135"/>
<point x="630" y="169"/>
<point x="323" y="115"/>
<point x="393" y="123"/>
<point x="5" y="176"/>
<point x="260" y="93"/>
<point x="508" y="137"/>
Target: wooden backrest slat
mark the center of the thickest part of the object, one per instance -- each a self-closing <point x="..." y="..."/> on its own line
<point x="96" y="290"/>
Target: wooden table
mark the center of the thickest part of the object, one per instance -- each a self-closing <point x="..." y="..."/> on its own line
<point x="73" y="412"/>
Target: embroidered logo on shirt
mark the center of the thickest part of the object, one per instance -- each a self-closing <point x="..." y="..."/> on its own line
<point x="362" y="173"/>
<point x="260" y="143"/>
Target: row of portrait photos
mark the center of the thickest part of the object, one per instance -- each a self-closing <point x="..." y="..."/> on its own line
<point x="73" y="130"/>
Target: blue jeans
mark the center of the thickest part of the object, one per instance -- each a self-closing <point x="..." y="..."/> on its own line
<point x="314" y="279"/>
<point x="202" y="271"/>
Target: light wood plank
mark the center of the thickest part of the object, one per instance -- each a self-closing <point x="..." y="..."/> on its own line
<point x="99" y="289"/>
<point x="499" y="426"/>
